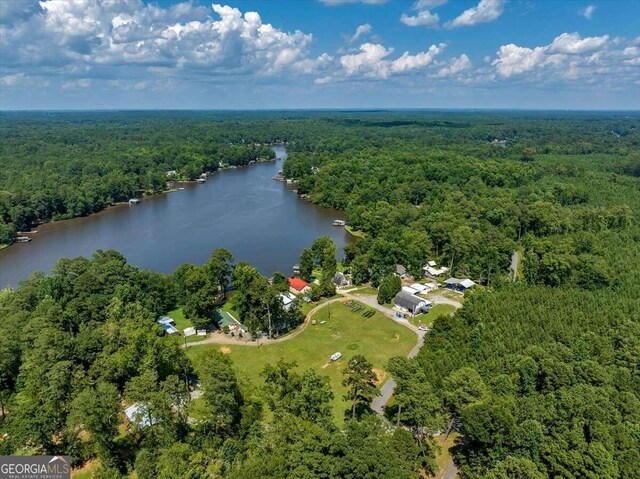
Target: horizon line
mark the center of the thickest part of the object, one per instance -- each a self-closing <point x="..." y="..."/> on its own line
<point x="332" y="109"/>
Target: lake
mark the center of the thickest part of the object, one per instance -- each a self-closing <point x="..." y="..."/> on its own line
<point x="259" y="220"/>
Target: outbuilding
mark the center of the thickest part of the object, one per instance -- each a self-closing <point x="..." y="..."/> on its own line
<point x="458" y="284"/>
<point x="411" y="303"/>
<point x="410" y="290"/>
<point x="340" y="280"/>
<point x="431" y="270"/>
<point x="401" y="271"/>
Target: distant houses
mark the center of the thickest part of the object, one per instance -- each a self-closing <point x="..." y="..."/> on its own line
<point x="299" y="286"/>
<point x="431" y="270"/>
<point x="226" y="319"/>
<point x="138" y="416"/>
<point x="411" y="303"/>
<point x="287" y="300"/>
<point x="168" y="324"/>
<point x="458" y="284"/>
<point x="424" y="288"/>
<point x="401" y="271"/>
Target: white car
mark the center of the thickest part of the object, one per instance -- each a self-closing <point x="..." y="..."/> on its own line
<point x="335" y="357"/>
<point x="422" y="327"/>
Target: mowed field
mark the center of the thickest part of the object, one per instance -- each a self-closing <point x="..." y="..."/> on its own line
<point x="377" y="338"/>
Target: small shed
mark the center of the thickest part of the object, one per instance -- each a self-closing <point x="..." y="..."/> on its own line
<point x="401" y="271"/>
<point x="458" y="284"/>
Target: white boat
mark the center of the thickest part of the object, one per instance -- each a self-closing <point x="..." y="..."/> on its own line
<point x="134" y="201"/>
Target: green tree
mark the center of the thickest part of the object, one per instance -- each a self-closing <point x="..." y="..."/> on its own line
<point x="359" y="379"/>
<point x="390" y="286"/>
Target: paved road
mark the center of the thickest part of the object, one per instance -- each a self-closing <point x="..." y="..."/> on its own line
<point x="220" y="338"/>
<point x="515" y="259"/>
<point x="386" y="391"/>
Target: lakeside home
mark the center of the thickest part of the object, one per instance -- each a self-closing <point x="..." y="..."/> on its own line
<point x="299" y="286"/>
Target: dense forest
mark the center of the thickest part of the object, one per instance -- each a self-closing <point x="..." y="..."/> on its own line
<point x="539" y="372"/>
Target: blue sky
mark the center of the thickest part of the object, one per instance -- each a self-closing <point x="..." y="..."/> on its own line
<point x="166" y="54"/>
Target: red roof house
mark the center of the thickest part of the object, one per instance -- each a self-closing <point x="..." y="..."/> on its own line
<point x="297" y="285"/>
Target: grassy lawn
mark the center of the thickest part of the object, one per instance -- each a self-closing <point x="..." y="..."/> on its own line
<point x="447" y="293"/>
<point x="443" y="456"/>
<point x="428" y="318"/>
<point x="377" y="338"/>
<point x="368" y="290"/>
<point x="356" y="233"/>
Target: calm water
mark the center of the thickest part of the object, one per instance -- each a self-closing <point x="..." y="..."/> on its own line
<point x="260" y="220"/>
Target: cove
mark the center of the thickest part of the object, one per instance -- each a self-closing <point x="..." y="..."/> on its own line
<point x="259" y="220"/>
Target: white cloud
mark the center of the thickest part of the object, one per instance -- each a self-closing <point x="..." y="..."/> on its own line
<point x="19" y="80"/>
<point x="569" y="57"/>
<point x="343" y="2"/>
<point x="587" y="12"/>
<point x="12" y="80"/>
<point x="456" y="66"/>
<point x="571" y="44"/>
<point x="184" y="37"/>
<point x="420" y="4"/>
<point x="372" y="61"/>
<point x="409" y="62"/>
<point x="313" y="65"/>
<point x="514" y="60"/>
<point x="485" y="11"/>
<point x="368" y="61"/>
<point x="74" y="84"/>
<point x="424" y="17"/>
<point x="360" y="31"/>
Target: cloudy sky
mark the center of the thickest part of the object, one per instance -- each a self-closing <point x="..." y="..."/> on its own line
<point x="76" y="54"/>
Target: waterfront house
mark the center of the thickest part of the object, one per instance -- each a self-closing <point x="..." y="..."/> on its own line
<point x="299" y="286"/>
<point x="411" y="303"/>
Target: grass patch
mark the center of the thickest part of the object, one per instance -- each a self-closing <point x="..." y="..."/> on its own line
<point x="181" y="323"/>
<point x="446" y="293"/>
<point x="368" y="290"/>
<point x="377" y="338"/>
<point x="353" y="232"/>
<point x="428" y="318"/>
<point x="443" y="455"/>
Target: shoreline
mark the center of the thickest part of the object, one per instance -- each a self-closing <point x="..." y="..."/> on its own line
<point x="35" y="229"/>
